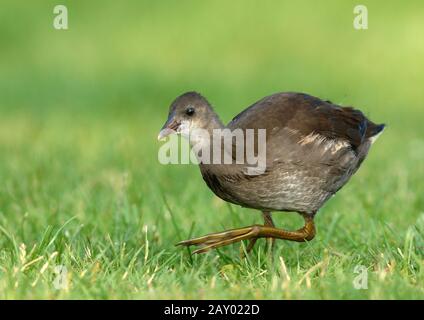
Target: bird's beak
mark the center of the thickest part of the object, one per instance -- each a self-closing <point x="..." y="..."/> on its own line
<point x="171" y="126"/>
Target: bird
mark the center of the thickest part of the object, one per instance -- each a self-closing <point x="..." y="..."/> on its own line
<point x="313" y="147"/>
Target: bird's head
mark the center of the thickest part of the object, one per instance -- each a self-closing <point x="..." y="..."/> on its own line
<point x="188" y="112"/>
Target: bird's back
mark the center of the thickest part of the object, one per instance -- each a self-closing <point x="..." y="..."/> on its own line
<point x="307" y="114"/>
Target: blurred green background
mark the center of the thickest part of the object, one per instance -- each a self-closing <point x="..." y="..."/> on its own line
<point x="80" y="110"/>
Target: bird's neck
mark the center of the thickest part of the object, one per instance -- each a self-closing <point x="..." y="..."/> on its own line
<point x="202" y="137"/>
<point x="217" y="147"/>
<point x="214" y="123"/>
<point x="206" y="139"/>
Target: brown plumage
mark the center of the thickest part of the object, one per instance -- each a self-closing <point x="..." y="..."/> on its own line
<point x="313" y="147"/>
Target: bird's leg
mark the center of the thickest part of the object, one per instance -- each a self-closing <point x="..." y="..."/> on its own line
<point x="216" y="240"/>
<point x="267" y="223"/>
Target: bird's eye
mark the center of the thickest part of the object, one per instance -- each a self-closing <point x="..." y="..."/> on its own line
<point x="190" y="111"/>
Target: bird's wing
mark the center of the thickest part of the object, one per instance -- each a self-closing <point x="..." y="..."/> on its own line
<point x="304" y="116"/>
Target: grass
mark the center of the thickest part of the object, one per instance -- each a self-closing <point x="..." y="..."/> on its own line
<point x="82" y="188"/>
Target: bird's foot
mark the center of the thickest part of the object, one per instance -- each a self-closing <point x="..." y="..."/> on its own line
<point x="219" y="239"/>
<point x="216" y="240"/>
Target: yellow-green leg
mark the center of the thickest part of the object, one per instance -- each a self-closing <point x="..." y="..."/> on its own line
<point x="216" y="240"/>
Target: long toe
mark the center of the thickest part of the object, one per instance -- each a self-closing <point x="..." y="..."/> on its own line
<point x="220" y="239"/>
<point x="220" y="243"/>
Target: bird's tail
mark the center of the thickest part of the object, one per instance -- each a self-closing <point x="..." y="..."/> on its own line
<point x="374" y="131"/>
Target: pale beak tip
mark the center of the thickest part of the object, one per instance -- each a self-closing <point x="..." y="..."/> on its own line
<point x="161" y="137"/>
<point x="164" y="133"/>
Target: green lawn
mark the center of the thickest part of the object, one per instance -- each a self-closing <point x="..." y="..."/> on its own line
<point x="81" y="186"/>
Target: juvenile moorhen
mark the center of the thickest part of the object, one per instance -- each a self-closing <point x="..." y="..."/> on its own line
<point x="313" y="147"/>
